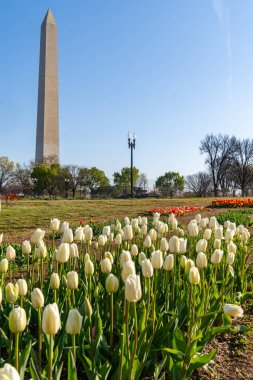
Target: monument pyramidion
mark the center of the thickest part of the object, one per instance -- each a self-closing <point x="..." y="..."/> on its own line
<point x="47" y="137"/>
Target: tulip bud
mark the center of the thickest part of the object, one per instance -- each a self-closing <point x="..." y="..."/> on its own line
<point x="201" y="260"/>
<point x="37" y="236"/>
<point x="72" y="280"/>
<point x="188" y="265"/>
<point x="174" y="244"/>
<point x="144" y="230"/>
<point x="216" y="256"/>
<point x="17" y="320"/>
<point x="134" y="250"/>
<point x="153" y="234"/>
<point x="88" y="233"/>
<point x="218" y="232"/>
<point x="133" y="288"/>
<point x="73" y="252"/>
<point x="141" y="257"/>
<point x="55" y="224"/>
<point x="67" y="236"/>
<point x="54" y="281"/>
<point x="109" y="256"/>
<point x="203" y="223"/>
<point x="125" y="256"/>
<point x="183" y="261"/>
<point x="111" y="284"/>
<point x="157" y="259"/>
<point x="194" y="276"/>
<point x="147" y="268"/>
<point x="217" y="244"/>
<point x="198" y="218"/>
<point x="79" y="234"/>
<point x="201" y="245"/>
<point x="11" y="292"/>
<point x="174" y="224"/>
<point x="106" y="266"/>
<point x="169" y="262"/>
<point x="10" y="253"/>
<point x="37" y="298"/>
<point x="41" y="251"/>
<point x="22" y="287"/>
<point x="74" y="322"/>
<point x="126" y="220"/>
<point x="101" y="240"/>
<point x="88" y="268"/>
<point x="193" y="229"/>
<point x="51" y="319"/>
<point x="128" y="268"/>
<point x="229" y="234"/>
<point x="9" y="373"/>
<point x="207" y="234"/>
<point x="232" y="310"/>
<point x="164" y="245"/>
<point x="182" y="245"/>
<point x="231" y="247"/>
<point x="4" y="266"/>
<point x="213" y="223"/>
<point x="118" y="239"/>
<point x="64" y="226"/>
<point x="86" y="257"/>
<point x="128" y="232"/>
<point x="63" y="252"/>
<point x="87" y="308"/>
<point x="26" y="247"/>
<point x="147" y="242"/>
<point x="230" y="258"/>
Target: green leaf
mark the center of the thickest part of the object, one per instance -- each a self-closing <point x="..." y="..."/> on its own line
<point x="72" y="375"/>
<point x="57" y="372"/>
<point x="231" y="270"/>
<point x="199" y="361"/>
<point x="24" y="358"/>
<point x="245" y="297"/>
<point x="33" y="371"/>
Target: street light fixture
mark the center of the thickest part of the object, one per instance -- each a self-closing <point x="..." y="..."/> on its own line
<point x="131" y="146"/>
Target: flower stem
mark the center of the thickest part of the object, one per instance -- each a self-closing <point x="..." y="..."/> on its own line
<point x="135" y="342"/>
<point x="112" y="320"/>
<point x="39" y="338"/>
<point x="74" y="347"/>
<point x="16" y="350"/>
<point x="50" y="364"/>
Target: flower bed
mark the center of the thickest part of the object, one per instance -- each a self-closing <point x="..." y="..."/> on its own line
<point x="234" y="202"/>
<point x="125" y="302"/>
<point x="177" y="211"/>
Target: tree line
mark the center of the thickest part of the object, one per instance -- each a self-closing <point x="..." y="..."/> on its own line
<point x="229" y="170"/>
<point x="229" y="163"/>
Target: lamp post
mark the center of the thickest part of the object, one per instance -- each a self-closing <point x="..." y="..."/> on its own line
<point x="131" y="146"/>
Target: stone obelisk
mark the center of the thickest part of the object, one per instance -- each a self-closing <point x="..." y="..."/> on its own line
<point x="47" y="138"/>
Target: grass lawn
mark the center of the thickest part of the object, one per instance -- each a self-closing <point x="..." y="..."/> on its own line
<point x="24" y="216"/>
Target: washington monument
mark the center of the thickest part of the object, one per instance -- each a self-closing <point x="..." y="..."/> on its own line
<point x="47" y="137"/>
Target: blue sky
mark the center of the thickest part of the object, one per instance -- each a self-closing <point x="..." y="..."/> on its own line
<point x="170" y="70"/>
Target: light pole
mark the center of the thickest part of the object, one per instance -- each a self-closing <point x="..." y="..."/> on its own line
<point x="131" y="146"/>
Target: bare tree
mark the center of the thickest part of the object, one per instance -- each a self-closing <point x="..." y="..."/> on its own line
<point x="6" y="171"/>
<point x="142" y="181"/>
<point x="220" y="151"/>
<point x="199" y="183"/>
<point x="242" y="168"/>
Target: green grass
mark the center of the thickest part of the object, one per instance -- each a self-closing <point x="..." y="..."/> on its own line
<point x="235" y="216"/>
<point x="27" y="215"/>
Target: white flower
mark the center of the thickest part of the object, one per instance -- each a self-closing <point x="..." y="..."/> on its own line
<point x="232" y="310"/>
